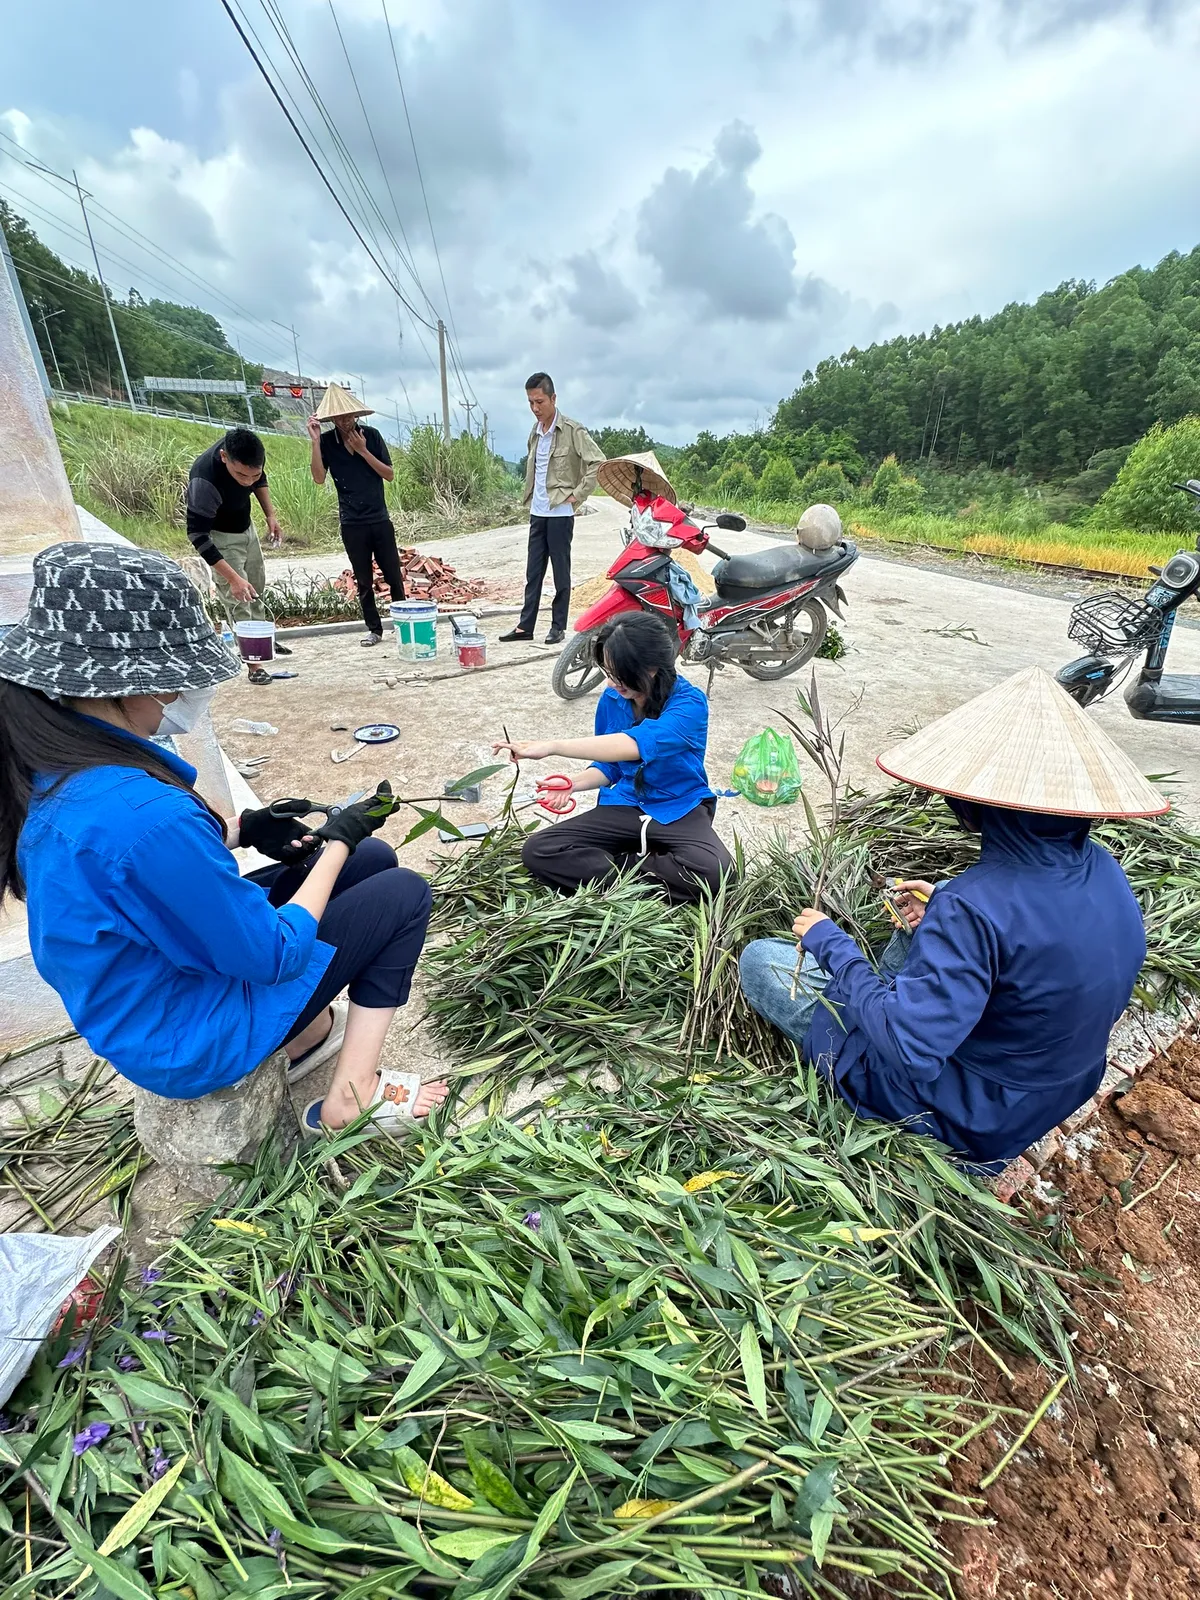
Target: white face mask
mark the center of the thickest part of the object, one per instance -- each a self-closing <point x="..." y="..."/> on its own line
<point x="183" y="713"/>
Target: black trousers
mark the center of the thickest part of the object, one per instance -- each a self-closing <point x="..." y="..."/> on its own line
<point x="375" y="919"/>
<point x="549" y="541"/>
<point x="365" y="543"/>
<point x="681" y="857"/>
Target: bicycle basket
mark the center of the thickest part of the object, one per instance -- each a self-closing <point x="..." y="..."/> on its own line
<point x="1113" y="624"/>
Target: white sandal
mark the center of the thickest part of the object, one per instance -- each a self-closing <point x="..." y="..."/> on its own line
<point x="392" y="1105"/>
<point x="328" y="1047"/>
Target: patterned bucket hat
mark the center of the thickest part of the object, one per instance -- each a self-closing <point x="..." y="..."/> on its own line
<point x="106" y="620"/>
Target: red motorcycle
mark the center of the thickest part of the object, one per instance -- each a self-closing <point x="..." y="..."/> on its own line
<point x="767" y="617"/>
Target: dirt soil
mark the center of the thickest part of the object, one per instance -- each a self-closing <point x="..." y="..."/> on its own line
<point x="1104" y="1500"/>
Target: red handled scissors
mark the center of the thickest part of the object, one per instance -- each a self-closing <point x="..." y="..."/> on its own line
<point x="559" y="785"/>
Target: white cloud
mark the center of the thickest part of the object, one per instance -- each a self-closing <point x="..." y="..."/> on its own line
<point x="675" y="216"/>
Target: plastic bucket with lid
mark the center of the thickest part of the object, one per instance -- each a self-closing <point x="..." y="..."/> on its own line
<point x="415" y="622"/>
<point x="472" y="650"/>
<point x="255" y="640"/>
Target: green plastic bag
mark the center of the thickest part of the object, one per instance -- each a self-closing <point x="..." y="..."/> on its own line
<point x="767" y="771"/>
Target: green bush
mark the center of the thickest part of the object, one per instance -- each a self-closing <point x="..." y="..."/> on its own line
<point x="825" y="482"/>
<point x="905" y="496"/>
<point x="446" y="477"/>
<point x="1142" y="497"/>
<point x="736" y="482"/>
<point x="887" y="474"/>
<point x="778" y="481"/>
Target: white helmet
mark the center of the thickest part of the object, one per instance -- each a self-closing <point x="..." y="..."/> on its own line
<point x="820" y="528"/>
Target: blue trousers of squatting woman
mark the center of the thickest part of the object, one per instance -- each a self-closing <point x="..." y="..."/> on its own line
<point x="767" y="967"/>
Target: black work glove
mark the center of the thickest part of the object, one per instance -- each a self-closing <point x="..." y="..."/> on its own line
<point x="285" y="839"/>
<point x="357" y="822"/>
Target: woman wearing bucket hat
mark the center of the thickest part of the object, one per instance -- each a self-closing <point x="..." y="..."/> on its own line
<point x="995" y="1028"/>
<point x="181" y="973"/>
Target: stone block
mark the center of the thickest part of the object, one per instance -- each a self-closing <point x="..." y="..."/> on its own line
<point x="1044" y="1149"/>
<point x="192" y="1138"/>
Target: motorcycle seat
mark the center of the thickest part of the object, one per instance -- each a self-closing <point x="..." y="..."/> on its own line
<point x="774" y="568"/>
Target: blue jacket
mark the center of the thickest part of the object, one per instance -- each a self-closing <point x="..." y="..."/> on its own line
<point x="997" y="1026"/>
<point x="674" y="781"/>
<point x="171" y="966"/>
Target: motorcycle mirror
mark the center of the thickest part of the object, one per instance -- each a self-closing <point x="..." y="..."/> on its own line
<point x="733" y="523"/>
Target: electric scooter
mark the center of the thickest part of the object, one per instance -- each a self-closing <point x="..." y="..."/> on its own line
<point x="1115" y="627"/>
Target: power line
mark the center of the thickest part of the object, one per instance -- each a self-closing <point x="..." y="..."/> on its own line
<point x="111" y="220"/>
<point x="278" y="98"/>
<point x="417" y="163"/>
<point x="379" y="158"/>
<point x="342" y="151"/>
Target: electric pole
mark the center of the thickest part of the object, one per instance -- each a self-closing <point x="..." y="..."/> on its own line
<point x="242" y="364"/>
<point x="485" y="437"/>
<point x="50" y="342"/>
<point x="112" y="321"/>
<point x="296" y="348"/>
<point x="468" y="406"/>
<point x="445" y="388"/>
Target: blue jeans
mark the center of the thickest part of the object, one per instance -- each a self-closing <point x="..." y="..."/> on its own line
<point x="766" y="968"/>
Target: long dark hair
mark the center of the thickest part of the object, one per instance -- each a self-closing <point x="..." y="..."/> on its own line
<point x="639" y="651"/>
<point x="40" y="738"/>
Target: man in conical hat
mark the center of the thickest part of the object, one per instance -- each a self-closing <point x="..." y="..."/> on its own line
<point x="993" y="1025"/>
<point x="358" y="461"/>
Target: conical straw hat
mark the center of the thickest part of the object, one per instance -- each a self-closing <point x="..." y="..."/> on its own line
<point x="1027" y="745"/>
<point x="616" y="477"/>
<point x="339" y="402"/>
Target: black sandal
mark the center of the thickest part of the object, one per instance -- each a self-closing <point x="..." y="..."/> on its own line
<point x="259" y="675"/>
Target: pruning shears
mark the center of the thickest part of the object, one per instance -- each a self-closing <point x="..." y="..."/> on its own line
<point x="556" y="794"/>
<point x="889" y="888"/>
<point x="303" y="808"/>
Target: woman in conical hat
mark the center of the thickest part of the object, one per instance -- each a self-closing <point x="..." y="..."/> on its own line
<point x="988" y="1021"/>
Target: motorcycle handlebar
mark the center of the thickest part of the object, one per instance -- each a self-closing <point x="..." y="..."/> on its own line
<point x="717" y="551"/>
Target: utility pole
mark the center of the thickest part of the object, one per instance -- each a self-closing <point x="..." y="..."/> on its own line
<point x="468" y="406"/>
<point x="296" y="348"/>
<point x="50" y="342"/>
<point x="445" y="388"/>
<point x="112" y="321"/>
<point x="245" y="385"/>
<point x="485" y="437"/>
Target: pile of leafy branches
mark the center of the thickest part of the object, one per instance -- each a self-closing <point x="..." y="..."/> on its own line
<point x="557" y="1361"/>
<point x="685" y="1332"/>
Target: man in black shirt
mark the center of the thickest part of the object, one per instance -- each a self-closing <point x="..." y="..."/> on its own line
<point x="357" y="459"/>
<point x="220" y="484"/>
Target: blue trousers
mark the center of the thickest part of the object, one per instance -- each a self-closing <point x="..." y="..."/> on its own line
<point x="766" y="968"/>
<point x="376" y="921"/>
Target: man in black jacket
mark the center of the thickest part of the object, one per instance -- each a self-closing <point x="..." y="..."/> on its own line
<point x="220" y="485"/>
<point x="358" y="461"/>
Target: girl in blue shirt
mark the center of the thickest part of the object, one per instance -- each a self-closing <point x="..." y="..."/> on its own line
<point x="175" y="968"/>
<point x="654" y="805"/>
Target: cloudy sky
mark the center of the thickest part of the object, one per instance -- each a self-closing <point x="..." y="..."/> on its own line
<point x="675" y="207"/>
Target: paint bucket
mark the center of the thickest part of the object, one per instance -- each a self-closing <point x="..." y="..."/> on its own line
<point x="415" y="622"/>
<point x="255" y="640"/>
<point x="472" y="650"/>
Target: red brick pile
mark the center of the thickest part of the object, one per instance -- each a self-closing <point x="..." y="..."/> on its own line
<point x="425" y="578"/>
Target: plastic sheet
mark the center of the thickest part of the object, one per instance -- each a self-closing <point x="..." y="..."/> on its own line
<point x="37" y="1273"/>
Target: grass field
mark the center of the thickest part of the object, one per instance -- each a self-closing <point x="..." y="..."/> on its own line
<point x="1000" y="536"/>
<point x="130" y="471"/>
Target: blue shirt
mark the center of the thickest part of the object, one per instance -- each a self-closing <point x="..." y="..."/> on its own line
<point x="997" y="1026"/>
<point x="173" y="967"/>
<point x="671" y="746"/>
